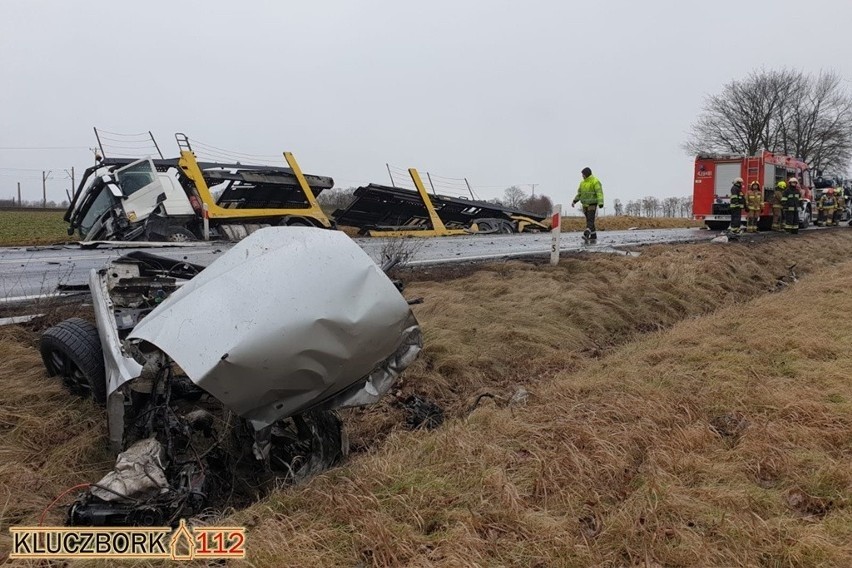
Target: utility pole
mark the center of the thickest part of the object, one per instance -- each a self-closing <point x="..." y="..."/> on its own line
<point x="73" y="187"/>
<point x="390" y="175"/>
<point x="532" y="185"/>
<point x="44" y="177"/>
<point x="20" y="203"/>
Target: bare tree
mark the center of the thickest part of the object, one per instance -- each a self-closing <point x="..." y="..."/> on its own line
<point x="633" y="208"/>
<point x="650" y="206"/>
<point x="685" y="206"/>
<point x="513" y="196"/>
<point x="816" y="122"/>
<point x="540" y="204"/>
<point x="783" y="111"/>
<point x="618" y="207"/>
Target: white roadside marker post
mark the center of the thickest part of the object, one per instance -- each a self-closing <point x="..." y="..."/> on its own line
<point x="206" y="215"/>
<point x="555" y="229"/>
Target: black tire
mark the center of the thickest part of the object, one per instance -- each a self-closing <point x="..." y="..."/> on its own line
<point x="506" y="227"/>
<point x="180" y="235"/>
<point x="294" y="222"/>
<point x="484" y="226"/>
<point x="72" y="350"/>
<point x="806" y="220"/>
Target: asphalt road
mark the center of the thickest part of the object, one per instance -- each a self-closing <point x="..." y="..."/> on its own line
<point x="32" y="272"/>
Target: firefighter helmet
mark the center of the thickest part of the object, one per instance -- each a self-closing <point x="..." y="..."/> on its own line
<point x="738" y="181"/>
<point x="793" y="181"/>
<point x="781" y="184"/>
<point x="755" y="183"/>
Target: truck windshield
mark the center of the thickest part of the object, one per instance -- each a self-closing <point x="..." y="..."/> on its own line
<point x="98" y="207"/>
<point x="136" y="176"/>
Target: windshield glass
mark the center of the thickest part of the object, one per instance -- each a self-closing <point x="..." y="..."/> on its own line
<point x="99" y="206"/>
<point x="136" y="176"/>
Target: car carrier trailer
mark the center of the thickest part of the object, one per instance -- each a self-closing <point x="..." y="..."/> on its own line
<point x="379" y="210"/>
<point x="185" y="199"/>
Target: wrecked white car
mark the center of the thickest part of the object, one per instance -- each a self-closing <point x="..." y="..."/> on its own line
<point x="224" y="377"/>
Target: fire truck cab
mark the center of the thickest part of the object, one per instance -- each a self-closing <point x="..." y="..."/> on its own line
<point x="714" y="175"/>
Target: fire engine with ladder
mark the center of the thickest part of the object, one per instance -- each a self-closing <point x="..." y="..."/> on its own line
<point x="715" y="174"/>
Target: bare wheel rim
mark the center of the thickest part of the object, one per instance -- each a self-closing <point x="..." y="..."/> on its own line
<point x="71" y="374"/>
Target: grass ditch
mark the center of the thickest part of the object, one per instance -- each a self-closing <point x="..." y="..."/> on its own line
<point x="506" y="325"/>
<point x="723" y="441"/>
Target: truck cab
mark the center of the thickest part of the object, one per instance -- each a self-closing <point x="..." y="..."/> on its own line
<point x="182" y="199"/>
<point x="117" y="201"/>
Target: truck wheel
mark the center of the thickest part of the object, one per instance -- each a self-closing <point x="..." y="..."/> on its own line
<point x="506" y="227"/>
<point x="180" y="235"/>
<point x="294" y="222"/>
<point x="72" y="350"/>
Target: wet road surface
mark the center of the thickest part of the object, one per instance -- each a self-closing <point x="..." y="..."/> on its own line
<point x="31" y="272"/>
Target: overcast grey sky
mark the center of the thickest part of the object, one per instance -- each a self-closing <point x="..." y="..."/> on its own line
<point x="500" y="92"/>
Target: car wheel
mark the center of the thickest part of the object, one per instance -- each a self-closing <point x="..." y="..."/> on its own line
<point x="72" y="350"/>
<point x="806" y="220"/>
<point x="180" y="235"/>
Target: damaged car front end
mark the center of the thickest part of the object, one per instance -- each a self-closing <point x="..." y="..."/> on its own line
<point x="222" y="379"/>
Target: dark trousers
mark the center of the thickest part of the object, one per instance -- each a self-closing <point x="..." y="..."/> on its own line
<point x="736" y="219"/>
<point x="791" y="220"/>
<point x="591" y="211"/>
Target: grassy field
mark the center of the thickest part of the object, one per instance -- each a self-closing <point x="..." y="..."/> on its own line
<point x="32" y="227"/>
<point x="688" y="407"/>
<point x="623" y="222"/>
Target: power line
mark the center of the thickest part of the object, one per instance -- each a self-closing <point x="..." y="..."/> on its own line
<point x="44" y="147"/>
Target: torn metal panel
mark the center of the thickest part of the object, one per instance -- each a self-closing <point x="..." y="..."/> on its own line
<point x="14" y="320"/>
<point x="286" y="320"/>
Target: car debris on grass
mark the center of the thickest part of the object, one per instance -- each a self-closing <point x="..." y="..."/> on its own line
<point x="229" y="376"/>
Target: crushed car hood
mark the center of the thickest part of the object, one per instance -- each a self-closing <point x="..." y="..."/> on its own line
<point x="288" y="319"/>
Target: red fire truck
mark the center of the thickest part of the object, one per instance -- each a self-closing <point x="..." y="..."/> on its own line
<point x="714" y="175"/>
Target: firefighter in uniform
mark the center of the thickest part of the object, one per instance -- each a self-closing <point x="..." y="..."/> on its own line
<point x="841" y="205"/>
<point x="776" y="205"/>
<point x="590" y="196"/>
<point x="790" y="204"/>
<point x="754" y="204"/>
<point x="737" y="203"/>
<point x="826" y="206"/>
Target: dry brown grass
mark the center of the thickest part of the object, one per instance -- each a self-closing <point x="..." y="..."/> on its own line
<point x="610" y="462"/>
<point x="722" y="442"/>
<point x="623" y="222"/>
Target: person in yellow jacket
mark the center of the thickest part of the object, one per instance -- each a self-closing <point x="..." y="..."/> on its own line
<point x="780" y="188"/>
<point x="826" y="206"/>
<point x="754" y="205"/>
<point x="841" y="205"/>
<point x="590" y="196"/>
